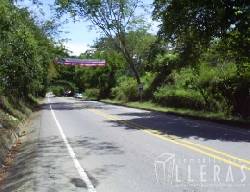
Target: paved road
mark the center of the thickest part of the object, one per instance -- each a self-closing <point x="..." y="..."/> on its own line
<point x="88" y="146"/>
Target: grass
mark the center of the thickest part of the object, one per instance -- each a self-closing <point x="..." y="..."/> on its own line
<point x="148" y="105"/>
<point x="13" y="113"/>
<point x="7" y="120"/>
<point x="12" y="109"/>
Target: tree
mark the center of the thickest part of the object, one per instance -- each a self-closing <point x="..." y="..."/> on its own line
<point x="193" y="28"/>
<point x="113" y="17"/>
<point x="191" y="25"/>
<point x="25" y="53"/>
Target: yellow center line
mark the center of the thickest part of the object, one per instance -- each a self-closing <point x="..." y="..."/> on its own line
<point x="205" y="150"/>
<point x="198" y="145"/>
<point x="217" y="151"/>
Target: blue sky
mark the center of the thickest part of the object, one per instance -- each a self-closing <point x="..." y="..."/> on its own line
<point x="79" y="35"/>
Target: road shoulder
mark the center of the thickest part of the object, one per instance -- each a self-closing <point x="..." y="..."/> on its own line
<point x="20" y="175"/>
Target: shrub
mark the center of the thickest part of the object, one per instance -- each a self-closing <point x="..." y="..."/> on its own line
<point x="183" y="78"/>
<point x="204" y="81"/>
<point x="210" y="82"/>
<point x="176" y="97"/>
<point x="147" y="80"/>
<point x="23" y="107"/>
<point x="32" y="101"/>
<point x="7" y="106"/>
<point x="92" y="93"/>
<point x="66" y="85"/>
<point x="8" y="121"/>
<point x="126" y="90"/>
<point x="57" y="90"/>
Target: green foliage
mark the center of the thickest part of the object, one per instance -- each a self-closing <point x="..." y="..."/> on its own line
<point x="126" y="89"/>
<point x="31" y="101"/>
<point x="7" y="120"/>
<point x="65" y="85"/>
<point x="175" y="97"/>
<point x="203" y="81"/>
<point x="147" y="80"/>
<point x="25" y="53"/>
<point x="11" y="108"/>
<point x="92" y="93"/>
<point x="199" y="60"/>
<point x="213" y="39"/>
<point x="202" y="19"/>
<point x="167" y="60"/>
<point x="120" y="24"/>
<point x="162" y="64"/>
<point x="138" y="44"/>
<point x="57" y="90"/>
<point x="23" y="107"/>
<point x="224" y="77"/>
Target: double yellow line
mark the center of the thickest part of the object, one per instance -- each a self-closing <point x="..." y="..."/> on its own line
<point x="205" y="150"/>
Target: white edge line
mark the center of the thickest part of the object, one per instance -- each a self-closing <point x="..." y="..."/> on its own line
<point x="72" y="154"/>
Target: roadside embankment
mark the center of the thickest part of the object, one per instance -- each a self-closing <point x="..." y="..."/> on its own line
<point x="7" y="139"/>
<point x="13" y="114"/>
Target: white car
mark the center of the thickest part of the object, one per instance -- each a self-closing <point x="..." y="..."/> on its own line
<point x="78" y="95"/>
<point x="50" y="94"/>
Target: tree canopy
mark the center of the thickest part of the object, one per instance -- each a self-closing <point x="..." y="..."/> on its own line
<point x="115" y="18"/>
<point x="198" y="60"/>
<point x="25" y="52"/>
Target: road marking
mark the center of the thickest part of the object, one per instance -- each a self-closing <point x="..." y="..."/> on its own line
<point x="78" y="166"/>
<point x="218" y="152"/>
<point x="242" y="132"/>
<point x="178" y="141"/>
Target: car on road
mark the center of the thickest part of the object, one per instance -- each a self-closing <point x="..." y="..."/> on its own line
<point x="78" y="95"/>
<point x="50" y="94"/>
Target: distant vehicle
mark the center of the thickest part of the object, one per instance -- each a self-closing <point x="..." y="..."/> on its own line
<point x="50" y="94"/>
<point x="68" y="93"/>
<point x="78" y="95"/>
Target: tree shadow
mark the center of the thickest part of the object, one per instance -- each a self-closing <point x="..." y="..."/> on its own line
<point x="69" y="106"/>
<point x="183" y="127"/>
<point x="43" y="165"/>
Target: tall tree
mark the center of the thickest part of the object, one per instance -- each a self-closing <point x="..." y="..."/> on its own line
<point x="25" y="52"/>
<point x="113" y="17"/>
<point x="192" y="27"/>
<point x="192" y="24"/>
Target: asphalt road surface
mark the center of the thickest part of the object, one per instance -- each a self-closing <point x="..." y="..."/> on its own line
<point x="88" y="146"/>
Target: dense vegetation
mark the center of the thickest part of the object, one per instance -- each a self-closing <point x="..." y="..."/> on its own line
<point x="198" y="60"/>
<point x="26" y="51"/>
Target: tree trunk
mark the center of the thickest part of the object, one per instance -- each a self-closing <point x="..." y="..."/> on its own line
<point x="133" y="68"/>
<point x="121" y="45"/>
<point x="129" y="59"/>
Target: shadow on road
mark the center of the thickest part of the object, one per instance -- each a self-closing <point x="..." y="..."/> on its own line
<point x="45" y="165"/>
<point x="166" y="124"/>
<point x="184" y="127"/>
<point x="69" y="106"/>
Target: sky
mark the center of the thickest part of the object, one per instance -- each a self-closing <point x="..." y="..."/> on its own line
<point x="78" y="34"/>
